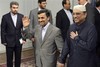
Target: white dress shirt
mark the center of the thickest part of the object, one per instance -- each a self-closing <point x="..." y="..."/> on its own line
<point x="14" y="18"/>
<point x="44" y="29"/>
<point x="39" y="9"/>
<point x="85" y="3"/>
<point x="98" y="10"/>
<point x="69" y="15"/>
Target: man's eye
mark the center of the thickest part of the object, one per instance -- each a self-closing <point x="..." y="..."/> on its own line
<point x="78" y="13"/>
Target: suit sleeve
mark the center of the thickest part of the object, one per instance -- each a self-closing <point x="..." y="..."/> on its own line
<point x="65" y="50"/>
<point x="90" y="13"/>
<point x="26" y="34"/>
<point x="31" y="17"/>
<point x="3" y="30"/>
<point x="59" y="41"/>
<point x="58" y="20"/>
<point x="90" y="44"/>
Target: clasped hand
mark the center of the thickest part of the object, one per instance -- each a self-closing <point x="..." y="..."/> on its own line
<point x="73" y="34"/>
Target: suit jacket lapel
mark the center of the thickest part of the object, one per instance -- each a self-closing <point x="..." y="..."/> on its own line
<point x="11" y="20"/>
<point x="48" y="32"/>
<point x="17" y="20"/>
<point x="64" y="13"/>
<point x="40" y="35"/>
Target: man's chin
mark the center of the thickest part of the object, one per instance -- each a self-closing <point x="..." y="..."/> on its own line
<point x="15" y="13"/>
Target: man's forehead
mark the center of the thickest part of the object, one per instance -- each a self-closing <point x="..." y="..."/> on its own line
<point x="76" y="10"/>
<point x="41" y="15"/>
<point x="79" y="7"/>
<point x="44" y="2"/>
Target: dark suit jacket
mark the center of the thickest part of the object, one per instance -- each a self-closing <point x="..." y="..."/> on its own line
<point x="97" y="25"/>
<point x="62" y="22"/>
<point x="90" y="13"/>
<point x="81" y="49"/>
<point x="9" y="33"/>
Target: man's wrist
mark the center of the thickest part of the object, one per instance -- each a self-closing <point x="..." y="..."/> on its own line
<point x="5" y="44"/>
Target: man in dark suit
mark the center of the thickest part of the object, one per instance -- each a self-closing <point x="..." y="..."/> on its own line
<point x="80" y="42"/>
<point x="64" y="18"/>
<point x="89" y="10"/>
<point x="11" y="26"/>
<point x="97" y="25"/>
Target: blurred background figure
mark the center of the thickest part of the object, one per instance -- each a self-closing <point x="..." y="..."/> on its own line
<point x="89" y="10"/>
<point x="97" y="25"/>
<point x="64" y="18"/>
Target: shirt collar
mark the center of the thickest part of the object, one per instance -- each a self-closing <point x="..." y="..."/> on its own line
<point x="39" y="9"/>
<point x="79" y="27"/>
<point x="65" y="9"/>
<point x="98" y="10"/>
<point x="45" y="27"/>
<point x="85" y="3"/>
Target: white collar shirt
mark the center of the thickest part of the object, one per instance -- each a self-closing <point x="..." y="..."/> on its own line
<point x="98" y="10"/>
<point x="14" y="18"/>
<point x="85" y="3"/>
<point x="69" y="15"/>
<point x="39" y="9"/>
<point x="44" y="29"/>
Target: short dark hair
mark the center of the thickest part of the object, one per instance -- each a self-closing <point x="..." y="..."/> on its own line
<point x="98" y="3"/>
<point x="47" y="12"/>
<point x="63" y="2"/>
<point x="14" y="3"/>
<point x="40" y="1"/>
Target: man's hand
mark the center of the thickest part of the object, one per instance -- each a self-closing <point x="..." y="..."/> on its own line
<point x="73" y="34"/>
<point x="25" y="21"/>
<point x="23" y="42"/>
<point x="60" y="64"/>
<point x="32" y="39"/>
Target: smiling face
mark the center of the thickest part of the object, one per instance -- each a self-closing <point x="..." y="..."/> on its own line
<point x="43" y="19"/>
<point x="14" y="9"/>
<point x="79" y="16"/>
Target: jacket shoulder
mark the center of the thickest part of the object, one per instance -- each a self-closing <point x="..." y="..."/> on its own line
<point x="35" y="9"/>
<point x="60" y="11"/>
<point x="54" y="28"/>
<point x="20" y="14"/>
<point x="7" y="14"/>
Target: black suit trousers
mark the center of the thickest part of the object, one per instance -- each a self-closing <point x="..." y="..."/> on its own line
<point x="13" y="52"/>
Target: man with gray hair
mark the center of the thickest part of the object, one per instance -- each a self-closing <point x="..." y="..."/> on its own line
<point x="80" y="42"/>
